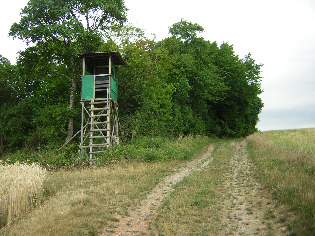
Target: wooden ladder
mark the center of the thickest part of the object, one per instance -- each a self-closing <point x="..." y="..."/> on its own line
<point x="99" y="137"/>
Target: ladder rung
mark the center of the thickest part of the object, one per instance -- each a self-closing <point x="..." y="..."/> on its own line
<point x="99" y="90"/>
<point x="95" y="146"/>
<point x="95" y="130"/>
<point x="101" y="85"/>
<point x="101" y="102"/>
<point x="104" y="137"/>
<point x="101" y="81"/>
<point x="102" y="75"/>
<point x="99" y="108"/>
<point x="99" y="115"/>
<point x="98" y="87"/>
<point x="99" y="122"/>
<point x="99" y="145"/>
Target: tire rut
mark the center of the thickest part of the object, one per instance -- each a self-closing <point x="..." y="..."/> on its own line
<point x="138" y="221"/>
<point x="247" y="208"/>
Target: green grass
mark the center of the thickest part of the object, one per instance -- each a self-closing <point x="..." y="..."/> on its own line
<point x="286" y="166"/>
<point x="153" y="149"/>
<point x="84" y="201"/>
<point x="193" y="208"/>
<point x="80" y="201"/>
<point x="140" y="148"/>
<point x="300" y="140"/>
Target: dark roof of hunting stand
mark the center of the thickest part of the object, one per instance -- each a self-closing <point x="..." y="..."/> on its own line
<point x="100" y="58"/>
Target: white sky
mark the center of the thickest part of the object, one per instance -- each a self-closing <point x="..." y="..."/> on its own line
<point x="279" y="33"/>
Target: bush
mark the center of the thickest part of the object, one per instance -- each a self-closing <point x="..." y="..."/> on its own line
<point x="141" y="148"/>
<point x="69" y="156"/>
<point x="158" y="148"/>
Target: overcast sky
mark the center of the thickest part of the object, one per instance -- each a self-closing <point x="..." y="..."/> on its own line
<point x="279" y="33"/>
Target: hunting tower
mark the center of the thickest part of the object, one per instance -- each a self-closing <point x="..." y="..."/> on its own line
<point x="99" y="118"/>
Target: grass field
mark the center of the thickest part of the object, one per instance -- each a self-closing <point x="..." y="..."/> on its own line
<point x="84" y="201"/>
<point x="286" y="166"/>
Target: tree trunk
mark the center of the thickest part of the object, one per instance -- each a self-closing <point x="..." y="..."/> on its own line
<point x="72" y="98"/>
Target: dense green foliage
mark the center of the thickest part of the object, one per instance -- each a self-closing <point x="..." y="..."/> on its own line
<point x="146" y="149"/>
<point x="187" y="85"/>
<point x="61" y="30"/>
<point x="180" y="85"/>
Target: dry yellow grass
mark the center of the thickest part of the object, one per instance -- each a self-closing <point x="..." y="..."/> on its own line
<point x="85" y="201"/>
<point x="299" y="140"/>
<point x="286" y="165"/>
<point x="20" y="186"/>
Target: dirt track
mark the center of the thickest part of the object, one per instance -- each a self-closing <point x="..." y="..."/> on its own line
<point x="139" y="220"/>
<point x="247" y="209"/>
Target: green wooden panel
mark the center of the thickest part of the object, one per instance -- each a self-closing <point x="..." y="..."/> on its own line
<point x="113" y="89"/>
<point x="87" y="87"/>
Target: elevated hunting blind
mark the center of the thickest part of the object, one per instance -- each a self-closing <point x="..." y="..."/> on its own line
<point x="99" y="119"/>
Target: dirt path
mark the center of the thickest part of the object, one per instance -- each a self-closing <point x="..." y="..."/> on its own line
<point x="138" y="221"/>
<point x="247" y="208"/>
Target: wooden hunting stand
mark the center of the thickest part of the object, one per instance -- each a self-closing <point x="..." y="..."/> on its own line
<point x="99" y="119"/>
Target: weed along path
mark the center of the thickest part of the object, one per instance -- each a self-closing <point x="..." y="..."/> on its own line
<point x="247" y="209"/>
<point x="139" y="219"/>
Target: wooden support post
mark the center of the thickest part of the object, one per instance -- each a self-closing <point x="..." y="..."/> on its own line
<point x="82" y="124"/>
<point x="91" y="131"/>
<point x="109" y="101"/>
<point x="83" y="65"/>
<point x="116" y="121"/>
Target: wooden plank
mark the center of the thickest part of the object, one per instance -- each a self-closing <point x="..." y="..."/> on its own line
<point x="101" y="75"/>
<point x="100" y="108"/>
<point x="97" y="130"/>
<point x="82" y="118"/>
<point x="99" y="115"/>
<point x="100" y="101"/>
<point x="100" y="137"/>
<point x="91" y="133"/>
<point x="83" y="65"/>
<point x="100" y="122"/>
<point x="99" y="145"/>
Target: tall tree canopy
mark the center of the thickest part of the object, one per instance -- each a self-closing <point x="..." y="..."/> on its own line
<point x="182" y="84"/>
<point x="66" y="28"/>
<point x="185" y="84"/>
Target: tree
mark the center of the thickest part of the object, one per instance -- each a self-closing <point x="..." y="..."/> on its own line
<point x="197" y="82"/>
<point x="145" y="96"/>
<point x="238" y="112"/>
<point x="187" y="85"/>
<point x="215" y="90"/>
<point x="66" y="28"/>
<point x="185" y="30"/>
<point x="6" y="95"/>
<point x="44" y="84"/>
<point x="6" y="75"/>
